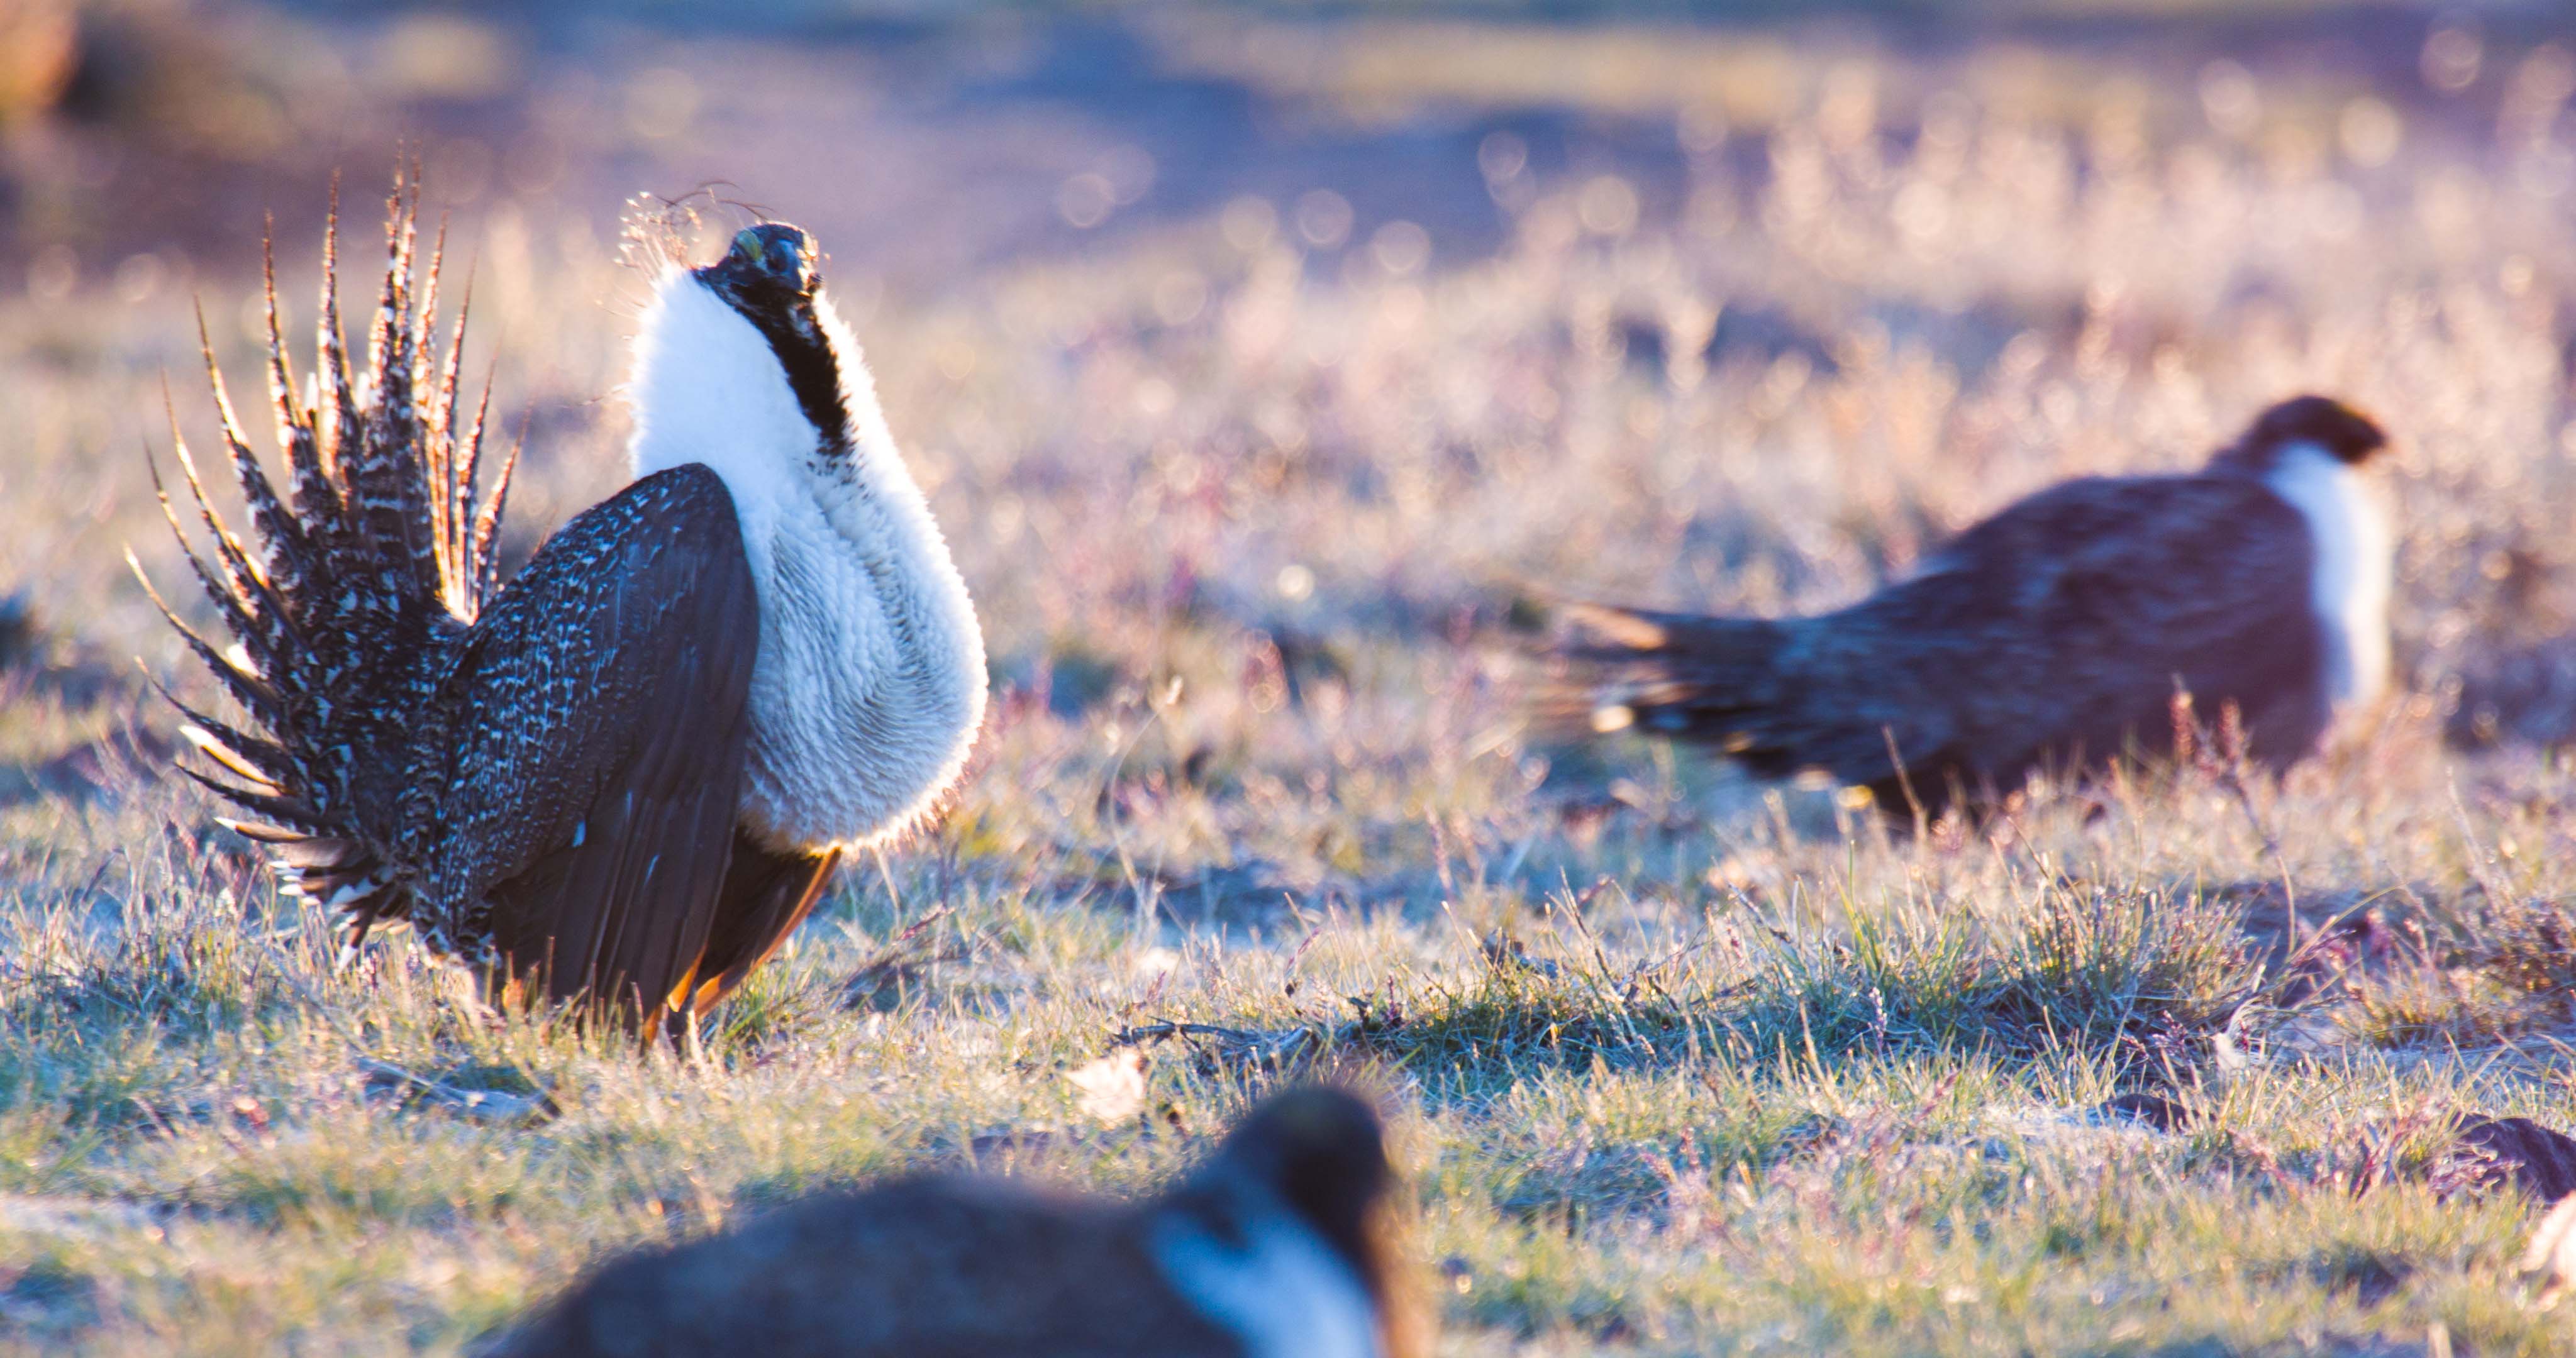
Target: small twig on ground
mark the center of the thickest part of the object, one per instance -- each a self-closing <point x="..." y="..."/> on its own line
<point x="1279" y="1047"/>
<point x="903" y="956"/>
<point x="482" y="1105"/>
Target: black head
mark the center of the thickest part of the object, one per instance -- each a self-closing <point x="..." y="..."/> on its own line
<point x="2319" y="420"/>
<point x="1321" y="1152"/>
<point x="772" y="264"/>
<point x="771" y="276"/>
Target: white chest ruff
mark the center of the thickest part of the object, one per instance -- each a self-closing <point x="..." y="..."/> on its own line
<point x="866" y="697"/>
<point x="869" y="686"/>
<point x="2355" y="563"/>
<point x="1284" y="1292"/>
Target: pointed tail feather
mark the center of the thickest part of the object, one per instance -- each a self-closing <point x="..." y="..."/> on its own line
<point x="317" y="499"/>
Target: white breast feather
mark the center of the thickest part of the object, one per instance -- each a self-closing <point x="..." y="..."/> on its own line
<point x="2356" y="557"/>
<point x="869" y="686"/>
<point x="1285" y="1292"/>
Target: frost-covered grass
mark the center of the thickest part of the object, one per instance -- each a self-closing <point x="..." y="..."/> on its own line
<point x="1676" y="1063"/>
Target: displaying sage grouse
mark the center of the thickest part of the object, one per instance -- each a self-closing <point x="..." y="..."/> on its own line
<point x="1274" y="1249"/>
<point x="2055" y="634"/>
<point x="625" y="775"/>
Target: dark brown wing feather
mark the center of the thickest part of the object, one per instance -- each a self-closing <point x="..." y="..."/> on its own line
<point x="2055" y="632"/>
<point x="598" y="785"/>
<point x="766" y="894"/>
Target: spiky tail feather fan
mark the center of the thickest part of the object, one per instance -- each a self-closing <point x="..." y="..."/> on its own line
<point x="1711" y="680"/>
<point x="345" y="615"/>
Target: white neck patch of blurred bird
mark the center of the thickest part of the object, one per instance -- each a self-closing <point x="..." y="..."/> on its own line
<point x="1286" y="1292"/>
<point x="2356" y="559"/>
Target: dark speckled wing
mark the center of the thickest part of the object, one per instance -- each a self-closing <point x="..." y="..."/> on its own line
<point x="2054" y="633"/>
<point x="600" y="812"/>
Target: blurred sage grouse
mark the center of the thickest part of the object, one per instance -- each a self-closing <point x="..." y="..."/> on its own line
<point x="624" y="775"/>
<point x="2054" y="635"/>
<point x="1274" y="1249"/>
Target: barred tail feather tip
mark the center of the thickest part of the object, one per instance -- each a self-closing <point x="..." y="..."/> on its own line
<point x="1672" y="674"/>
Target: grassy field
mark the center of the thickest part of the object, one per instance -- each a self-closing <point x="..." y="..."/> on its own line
<point x="1259" y="484"/>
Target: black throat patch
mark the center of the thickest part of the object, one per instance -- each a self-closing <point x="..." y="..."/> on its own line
<point x="769" y="279"/>
<point x="813" y="370"/>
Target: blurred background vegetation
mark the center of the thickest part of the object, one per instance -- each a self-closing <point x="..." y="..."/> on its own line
<point x="931" y="135"/>
<point x="1055" y="193"/>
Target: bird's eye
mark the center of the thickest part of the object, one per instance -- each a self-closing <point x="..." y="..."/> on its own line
<point x="785" y="259"/>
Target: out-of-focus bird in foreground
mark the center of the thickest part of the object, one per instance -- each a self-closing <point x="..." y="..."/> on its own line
<point x="624" y="777"/>
<point x="1276" y="1248"/>
<point x="2055" y="634"/>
